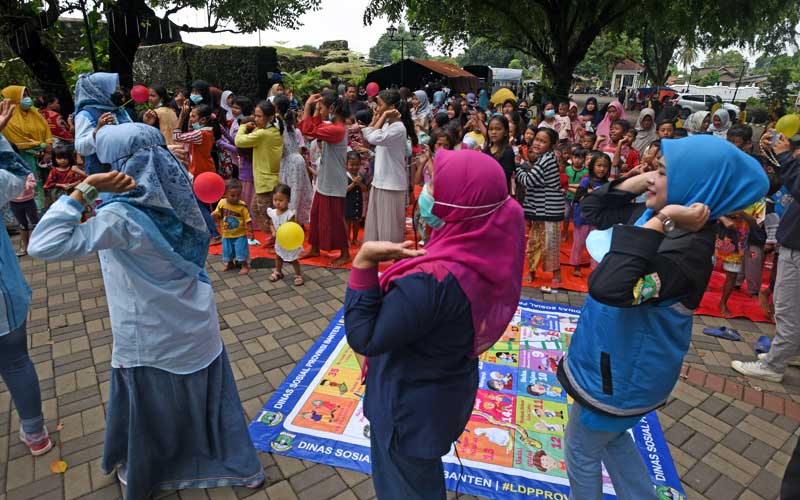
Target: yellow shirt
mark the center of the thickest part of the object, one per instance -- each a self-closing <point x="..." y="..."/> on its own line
<point x="267" y="145"/>
<point x="234" y="218"/>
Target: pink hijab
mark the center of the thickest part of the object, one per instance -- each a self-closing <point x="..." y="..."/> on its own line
<point x="482" y="246"/>
<point x="604" y="127"/>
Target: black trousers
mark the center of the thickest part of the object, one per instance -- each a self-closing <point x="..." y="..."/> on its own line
<point x="790" y="486"/>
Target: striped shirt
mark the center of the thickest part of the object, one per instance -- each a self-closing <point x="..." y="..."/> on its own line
<point x="544" y="199"/>
<point x="201" y="142"/>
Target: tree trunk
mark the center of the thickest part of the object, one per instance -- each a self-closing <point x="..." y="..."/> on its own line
<point x="44" y="65"/>
<point x="131" y="23"/>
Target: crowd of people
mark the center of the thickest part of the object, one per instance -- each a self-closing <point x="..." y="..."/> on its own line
<point x="350" y="168"/>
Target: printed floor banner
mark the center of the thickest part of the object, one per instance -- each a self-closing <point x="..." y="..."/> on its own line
<point x="513" y="446"/>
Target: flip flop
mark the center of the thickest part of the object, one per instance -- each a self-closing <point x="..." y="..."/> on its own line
<point x="723" y="332"/>
<point x="763" y="344"/>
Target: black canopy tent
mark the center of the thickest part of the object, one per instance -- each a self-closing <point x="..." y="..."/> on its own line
<point x="422" y="73"/>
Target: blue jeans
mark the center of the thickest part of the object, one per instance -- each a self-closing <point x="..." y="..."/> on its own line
<point x="20" y="377"/>
<point x="235" y="248"/>
<point x="398" y="477"/>
<point x="212" y="227"/>
<point x="586" y="448"/>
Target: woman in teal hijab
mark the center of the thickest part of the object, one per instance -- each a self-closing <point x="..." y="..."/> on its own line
<point x="483" y="99"/>
<point x="636" y="322"/>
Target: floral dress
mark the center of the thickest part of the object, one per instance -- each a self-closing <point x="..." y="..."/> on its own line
<point x="293" y="173"/>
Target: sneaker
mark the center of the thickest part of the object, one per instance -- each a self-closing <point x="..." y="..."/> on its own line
<point x="795" y="361"/>
<point x="756" y="369"/>
<point x="39" y="444"/>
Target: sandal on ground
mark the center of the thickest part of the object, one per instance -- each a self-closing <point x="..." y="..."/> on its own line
<point x="763" y="344"/>
<point x="299" y="281"/>
<point x="723" y="332"/>
<point x="275" y="276"/>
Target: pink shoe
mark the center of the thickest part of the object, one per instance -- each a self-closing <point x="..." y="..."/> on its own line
<point x="39" y="444"/>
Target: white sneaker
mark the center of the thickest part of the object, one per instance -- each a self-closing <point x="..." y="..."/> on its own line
<point x="756" y="369"/>
<point x="795" y="361"/>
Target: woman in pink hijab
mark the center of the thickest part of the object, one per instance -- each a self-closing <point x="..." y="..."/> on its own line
<point x="614" y="112"/>
<point x="576" y="129"/>
<point x="426" y="321"/>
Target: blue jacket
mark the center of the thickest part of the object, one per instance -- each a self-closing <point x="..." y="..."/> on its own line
<point x="636" y="323"/>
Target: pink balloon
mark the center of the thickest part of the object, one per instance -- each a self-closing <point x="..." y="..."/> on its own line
<point x="209" y="187"/>
<point x="140" y="94"/>
<point x="372" y="89"/>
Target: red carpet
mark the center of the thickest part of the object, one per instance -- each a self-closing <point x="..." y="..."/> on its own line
<point x="740" y="304"/>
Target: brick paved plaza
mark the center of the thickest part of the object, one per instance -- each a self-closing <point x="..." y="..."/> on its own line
<point x="729" y="438"/>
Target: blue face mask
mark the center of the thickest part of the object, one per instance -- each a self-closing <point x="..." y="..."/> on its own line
<point x="550" y="113"/>
<point x="426" y="203"/>
<point x="26" y="103"/>
<point x="196" y="126"/>
<point x="196" y="98"/>
<point x="330" y="117"/>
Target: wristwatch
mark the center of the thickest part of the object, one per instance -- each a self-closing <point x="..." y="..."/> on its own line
<point x="88" y="191"/>
<point x="667" y="223"/>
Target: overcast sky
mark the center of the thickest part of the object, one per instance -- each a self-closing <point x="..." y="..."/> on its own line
<point x="336" y="20"/>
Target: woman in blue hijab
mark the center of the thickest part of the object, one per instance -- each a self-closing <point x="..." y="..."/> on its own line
<point x="98" y="102"/>
<point x="483" y="99"/>
<point x="174" y="419"/>
<point x="636" y="323"/>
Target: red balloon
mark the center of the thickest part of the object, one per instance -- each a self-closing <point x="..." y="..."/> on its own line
<point x="372" y="89"/>
<point x="140" y="94"/>
<point x="209" y="187"/>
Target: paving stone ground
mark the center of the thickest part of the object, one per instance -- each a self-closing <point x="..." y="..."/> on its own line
<point x="723" y="446"/>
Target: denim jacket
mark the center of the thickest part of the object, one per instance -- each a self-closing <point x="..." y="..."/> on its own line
<point x="160" y="317"/>
<point x="15" y="295"/>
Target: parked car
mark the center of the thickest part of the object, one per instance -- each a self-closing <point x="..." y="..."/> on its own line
<point x="700" y="102"/>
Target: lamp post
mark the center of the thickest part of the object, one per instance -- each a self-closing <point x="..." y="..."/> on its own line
<point x="414" y="32"/>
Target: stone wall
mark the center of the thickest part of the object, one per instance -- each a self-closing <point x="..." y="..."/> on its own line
<point x="241" y="69"/>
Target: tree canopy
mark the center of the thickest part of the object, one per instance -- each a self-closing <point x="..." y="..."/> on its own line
<point x="729" y="58"/>
<point x="388" y="51"/>
<point x="606" y="51"/>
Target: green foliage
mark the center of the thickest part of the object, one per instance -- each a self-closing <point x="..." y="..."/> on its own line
<point x="383" y="51"/>
<point x="75" y="67"/>
<point x="729" y="58"/>
<point x="515" y="64"/>
<point x="292" y="52"/>
<point x="303" y="83"/>
<point x="711" y="78"/>
<point x="245" y="16"/>
<point x="14" y="72"/>
<point x="775" y="89"/>
<point x="606" y="51"/>
<point x="481" y="51"/>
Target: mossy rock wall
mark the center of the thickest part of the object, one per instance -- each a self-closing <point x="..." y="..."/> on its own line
<point x="241" y="69"/>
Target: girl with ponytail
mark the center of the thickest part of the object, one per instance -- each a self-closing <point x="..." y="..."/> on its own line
<point x="389" y="131"/>
<point x="293" y="164"/>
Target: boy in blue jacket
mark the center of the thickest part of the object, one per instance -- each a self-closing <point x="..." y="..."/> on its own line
<point x="636" y="322"/>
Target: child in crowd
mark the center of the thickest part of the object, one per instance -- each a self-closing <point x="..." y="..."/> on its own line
<point x="633" y="157"/>
<point x="730" y="245"/>
<point x="354" y="203"/>
<point x="64" y="174"/>
<point x="24" y="209"/>
<point x="618" y="148"/>
<point x="599" y="169"/>
<point x="279" y="215"/>
<point x="666" y="129"/>
<point x="543" y="204"/>
<point x="680" y="133"/>
<point x="237" y="227"/>
<point x="588" y="141"/>
<point x="575" y="171"/>
<point x="200" y="139"/>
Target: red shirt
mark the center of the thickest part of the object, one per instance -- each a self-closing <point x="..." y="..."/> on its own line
<point x="200" y="143"/>
<point x="58" y="127"/>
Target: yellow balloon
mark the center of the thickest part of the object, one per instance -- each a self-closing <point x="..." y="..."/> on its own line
<point x="788" y="125"/>
<point x="290" y="235"/>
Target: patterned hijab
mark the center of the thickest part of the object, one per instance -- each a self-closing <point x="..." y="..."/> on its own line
<point x="163" y="193"/>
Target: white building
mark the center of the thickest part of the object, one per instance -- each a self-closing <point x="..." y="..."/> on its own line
<point x="626" y="74"/>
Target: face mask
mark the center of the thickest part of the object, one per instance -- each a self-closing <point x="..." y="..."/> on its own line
<point x="550" y="113"/>
<point x="426" y="203"/>
<point x="116" y="98"/>
<point x="196" y="126"/>
<point x="159" y="104"/>
<point x="196" y="98"/>
<point x="26" y="103"/>
<point x="330" y="117"/>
